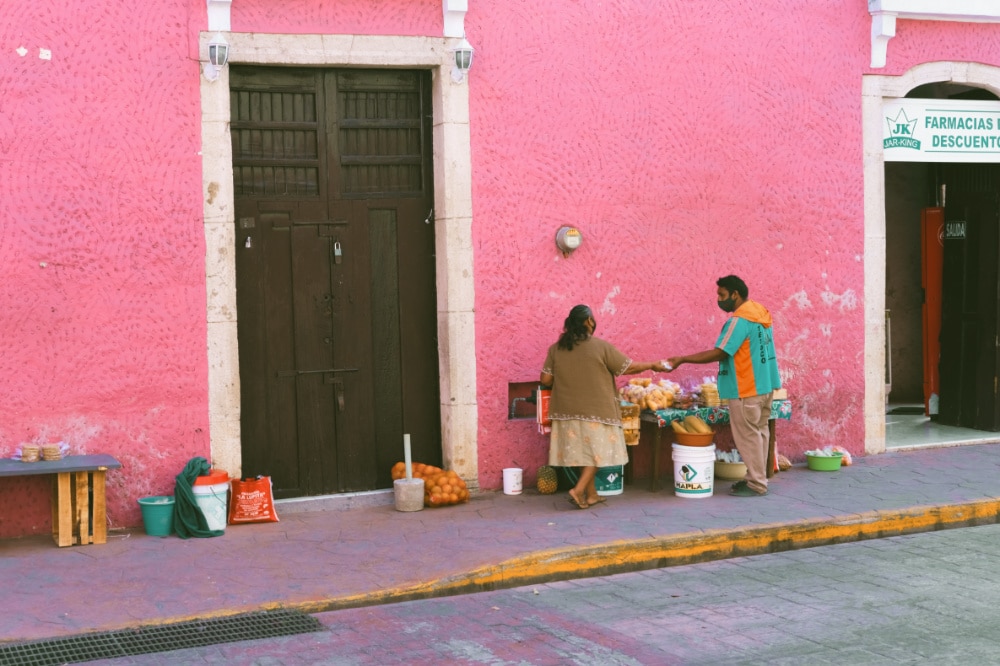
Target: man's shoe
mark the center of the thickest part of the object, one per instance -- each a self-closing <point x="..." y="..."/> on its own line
<point x="738" y="485"/>
<point x="746" y="491"/>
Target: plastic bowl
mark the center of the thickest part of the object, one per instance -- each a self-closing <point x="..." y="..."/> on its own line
<point x="824" y="463"/>
<point x="693" y="439"/>
<point x="730" y="470"/>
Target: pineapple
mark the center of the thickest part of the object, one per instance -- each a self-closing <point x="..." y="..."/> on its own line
<point x="547" y="482"/>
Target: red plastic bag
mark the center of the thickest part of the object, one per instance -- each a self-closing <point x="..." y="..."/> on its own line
<point x="542" y="411"/>
<point x="252" y="501"/>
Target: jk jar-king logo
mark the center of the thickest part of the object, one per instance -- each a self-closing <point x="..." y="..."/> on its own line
<point x="901" y="132"/>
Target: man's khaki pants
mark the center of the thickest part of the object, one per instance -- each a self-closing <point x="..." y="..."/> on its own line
<point x="748" y="419"/>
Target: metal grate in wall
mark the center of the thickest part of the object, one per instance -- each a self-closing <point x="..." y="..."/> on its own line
<point x="162" y="638"/>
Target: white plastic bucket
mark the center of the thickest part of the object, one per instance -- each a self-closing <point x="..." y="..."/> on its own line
<point x="512" y="477"/>
<point x="212" y="500"/>
<point x="608" y="480"/>
<point x="694" y="470"/>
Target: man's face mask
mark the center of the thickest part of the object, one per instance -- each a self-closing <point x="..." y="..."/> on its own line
<point x="727" y="305"/>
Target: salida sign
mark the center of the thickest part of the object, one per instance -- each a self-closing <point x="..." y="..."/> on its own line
<point x="941" y="130"/>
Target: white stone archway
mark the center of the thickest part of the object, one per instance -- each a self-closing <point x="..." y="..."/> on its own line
<point x="876" y="89"/>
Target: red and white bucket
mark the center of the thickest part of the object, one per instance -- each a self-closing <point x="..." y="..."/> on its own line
<point x="211" y="494"/>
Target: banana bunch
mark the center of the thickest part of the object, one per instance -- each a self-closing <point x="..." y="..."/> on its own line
<point x="691" y="425"/>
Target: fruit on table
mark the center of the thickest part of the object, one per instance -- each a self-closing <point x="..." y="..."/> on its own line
<point x="547" y="482"/>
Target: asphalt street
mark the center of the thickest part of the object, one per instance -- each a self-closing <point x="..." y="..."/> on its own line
<point x="922" y="598"/>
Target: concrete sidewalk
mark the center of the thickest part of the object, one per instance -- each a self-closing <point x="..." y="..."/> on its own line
<point x="361" y="551"/>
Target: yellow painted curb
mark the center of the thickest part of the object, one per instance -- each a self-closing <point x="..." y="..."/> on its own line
<point x="688" y="548"/>
<point x="656" y="552"/>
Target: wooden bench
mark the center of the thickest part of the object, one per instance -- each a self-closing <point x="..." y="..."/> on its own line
<point x="79" y="512"/>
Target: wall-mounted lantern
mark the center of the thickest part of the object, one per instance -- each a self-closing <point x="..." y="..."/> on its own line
<point x="463" y="60"/>
<point x="218" y="56"/>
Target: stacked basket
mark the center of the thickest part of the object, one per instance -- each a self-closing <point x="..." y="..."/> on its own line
<point x="630" y="423"/>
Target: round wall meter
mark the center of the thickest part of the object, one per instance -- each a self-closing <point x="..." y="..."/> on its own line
<point x="568" y="239"/>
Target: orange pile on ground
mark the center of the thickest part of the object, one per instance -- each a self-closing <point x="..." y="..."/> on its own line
<point x="441" y="488"/>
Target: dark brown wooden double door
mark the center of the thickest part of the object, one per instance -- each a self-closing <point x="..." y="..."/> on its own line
<point x="335" y="275"/>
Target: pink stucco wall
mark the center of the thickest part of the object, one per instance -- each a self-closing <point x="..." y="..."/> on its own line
<point x="344" y="17"/>
<point x="685" y="145"/>
<point x="686" y="142"/>
<point x="102" y="246"/>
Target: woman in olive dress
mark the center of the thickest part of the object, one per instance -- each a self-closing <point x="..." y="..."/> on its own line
<point x="584" y="406"/>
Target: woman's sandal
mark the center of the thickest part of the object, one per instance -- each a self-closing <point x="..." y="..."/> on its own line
<point x="600" y="500"/>
<point x="573" y="500"/>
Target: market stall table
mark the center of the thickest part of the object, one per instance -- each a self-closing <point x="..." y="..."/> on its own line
<point x="79" y="513"/>
<point x="780" y="409"/>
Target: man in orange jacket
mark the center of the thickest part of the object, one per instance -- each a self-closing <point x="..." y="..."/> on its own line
<point x="748" y="375"/>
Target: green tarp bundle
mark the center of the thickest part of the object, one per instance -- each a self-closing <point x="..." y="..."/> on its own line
<point x="189" y="519"/>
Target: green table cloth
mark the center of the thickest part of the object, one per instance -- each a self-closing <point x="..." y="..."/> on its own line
<point x="780" y="409"/>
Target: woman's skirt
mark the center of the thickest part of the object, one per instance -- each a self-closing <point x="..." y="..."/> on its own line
<point x="586" y="443"/>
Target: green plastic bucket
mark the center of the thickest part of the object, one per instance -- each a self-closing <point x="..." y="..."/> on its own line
<point x="158" y="514"/>
<point x="830" y="463"/>
<point x="609" y="480"/>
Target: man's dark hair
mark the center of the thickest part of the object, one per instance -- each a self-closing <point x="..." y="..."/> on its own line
<point x="732" y="283"/>
<point x="575" y="327"/>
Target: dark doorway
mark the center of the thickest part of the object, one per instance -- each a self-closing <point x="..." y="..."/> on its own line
<point x="335" y="275"/>
<point x="966" y="281"/>
<point x="970" y="291"/>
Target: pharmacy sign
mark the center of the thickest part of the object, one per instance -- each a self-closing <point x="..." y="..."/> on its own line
<point x="941" y="130"/>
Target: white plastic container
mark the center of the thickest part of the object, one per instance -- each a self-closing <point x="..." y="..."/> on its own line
<point x="211" y="494"/>
<point x="512" y="479"/>
<point x="694" y="470"/>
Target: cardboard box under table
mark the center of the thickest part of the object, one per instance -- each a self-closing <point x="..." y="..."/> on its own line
<point x="79" y="512"/>
<point x="714" y="416"/>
